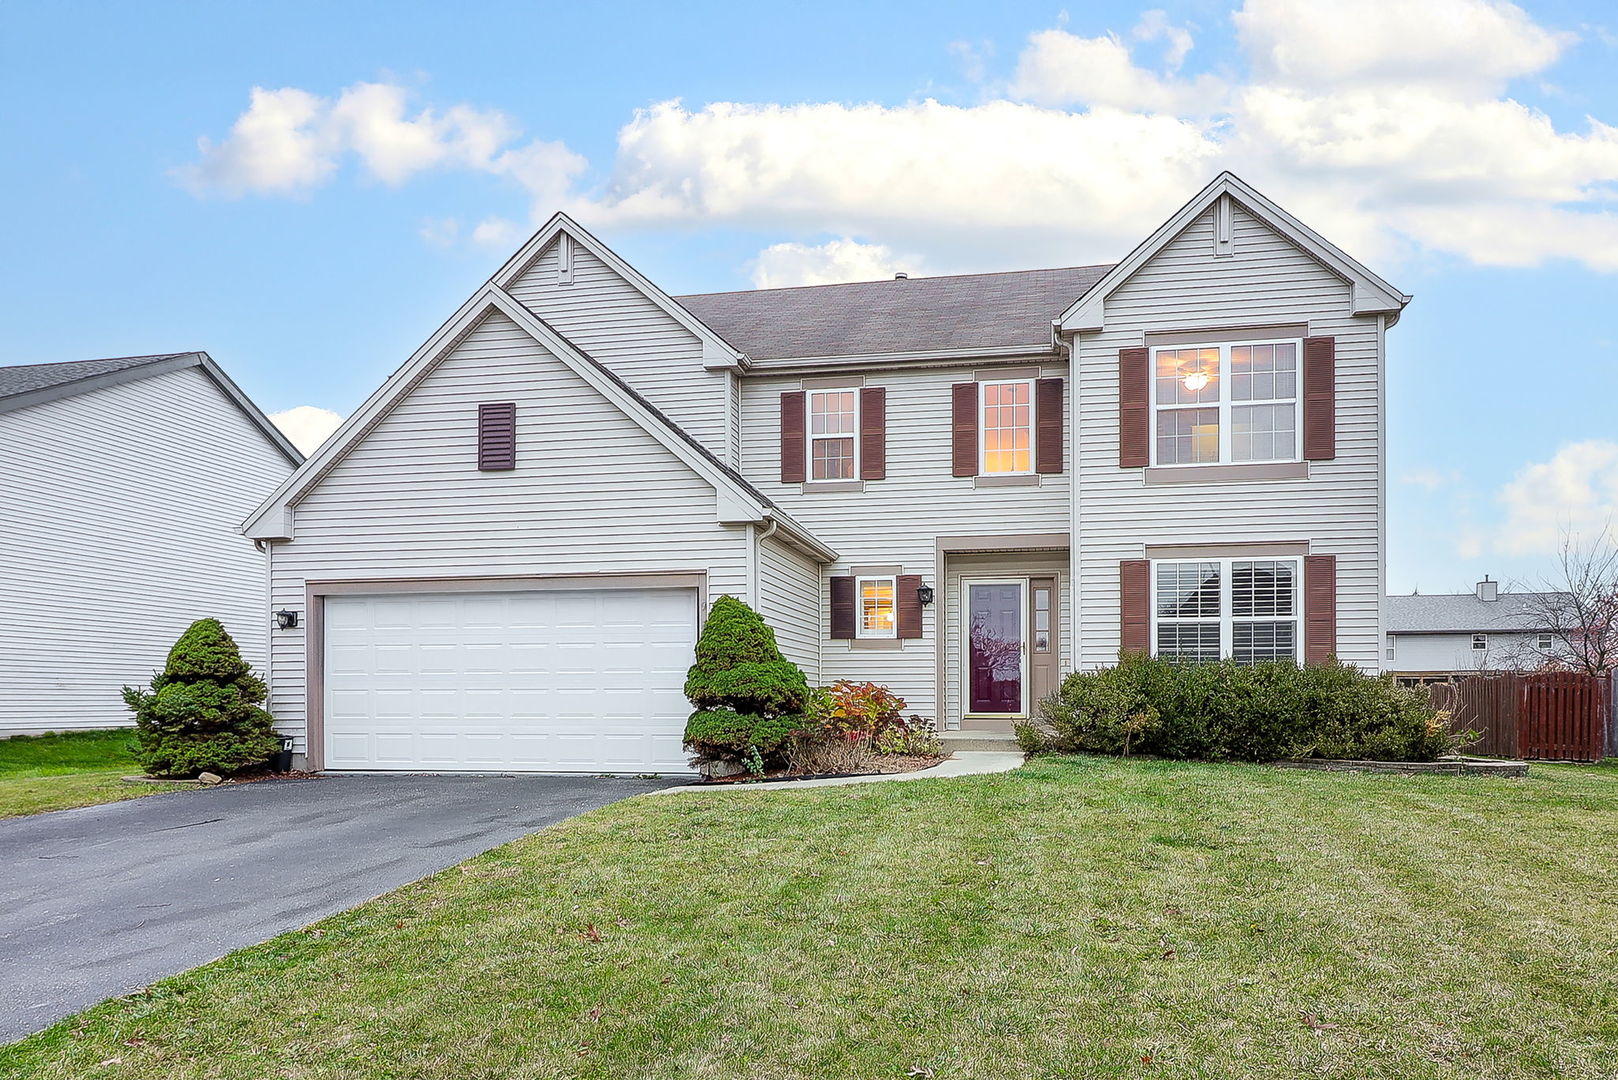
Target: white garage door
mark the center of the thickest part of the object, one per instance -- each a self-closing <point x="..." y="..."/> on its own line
<point x="563" y="681"/>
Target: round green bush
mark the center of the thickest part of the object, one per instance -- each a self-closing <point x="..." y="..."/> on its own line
<point x="748" y="696"/>
<point x="204" y="710"/>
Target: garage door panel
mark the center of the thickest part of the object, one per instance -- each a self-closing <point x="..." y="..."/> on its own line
<point x="569" y="680"/>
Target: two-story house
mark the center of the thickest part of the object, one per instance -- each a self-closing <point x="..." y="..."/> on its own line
<point x="961" y="487"/>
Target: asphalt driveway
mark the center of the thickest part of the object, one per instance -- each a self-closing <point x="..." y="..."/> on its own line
<point x="104" y="900"/>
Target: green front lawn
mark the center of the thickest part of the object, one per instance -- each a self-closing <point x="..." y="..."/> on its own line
<point x="1078" y="918"/>
<point x="80" y="768"/>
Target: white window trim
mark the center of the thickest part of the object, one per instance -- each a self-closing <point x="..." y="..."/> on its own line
<point x="1545" y="642"/>
<point x="1226" y="620"/>
<point x="859" y="607"/>
<point x="809" y="430"/>
<point x="983" y="443"/>
<point x="1480" y="642"/>
<point x="1225" y="405"/>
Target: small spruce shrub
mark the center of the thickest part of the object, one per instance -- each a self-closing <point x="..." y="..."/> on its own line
<point x="204" y="711"/>
<point x="749" y="698"/>
<point x="1225" y="711"/>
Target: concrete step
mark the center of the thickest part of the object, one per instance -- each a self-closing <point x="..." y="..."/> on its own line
<point x="1002" y="740"/>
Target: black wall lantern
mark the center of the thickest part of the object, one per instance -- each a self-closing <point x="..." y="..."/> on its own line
<point x="924" y="593"/>
<point x="286" y="620"/>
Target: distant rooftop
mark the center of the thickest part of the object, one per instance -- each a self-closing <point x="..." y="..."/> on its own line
<point x="1462" y="613"/>
<point x="26" y="378"/>
<point x="918" y="314"/>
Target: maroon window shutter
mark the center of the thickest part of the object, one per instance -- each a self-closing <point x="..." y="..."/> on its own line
<point x="908" y="600"/>
<point x="1135" y="605"/>
<point x="1048" y="425"/>
<point x="842" y="606"/>
<point x="873" y="433"/>
<point x="1134" y="408"/>
<point x="964" y="447"/>
<point x="1319" y="398"/>
<point x="1319" y="608"/>
<point x="792" y="437"/>
<point x="497" y="435"/>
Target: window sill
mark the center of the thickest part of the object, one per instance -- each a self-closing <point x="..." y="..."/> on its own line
<point x="831" y="487"/>
<point x="876" y="643"/>
<point x="1006" y="480"/>
<point x="1226" y="474"/>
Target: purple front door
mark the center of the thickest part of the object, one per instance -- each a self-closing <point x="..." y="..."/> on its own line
<point x="995" y="635"/>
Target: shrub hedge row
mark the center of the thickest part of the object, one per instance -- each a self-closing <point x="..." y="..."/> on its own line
<point x="1226" y="711"/>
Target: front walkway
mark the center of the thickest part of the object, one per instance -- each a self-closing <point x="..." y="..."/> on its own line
<point x="960" y="763"/>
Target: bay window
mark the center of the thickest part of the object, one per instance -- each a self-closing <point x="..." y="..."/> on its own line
<point x="1203" y="609"/>
<point x="1218" y="404"/>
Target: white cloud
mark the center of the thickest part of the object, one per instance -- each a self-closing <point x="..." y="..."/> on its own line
<point x="290" y="142"/>
<point x="1575" y="491"/>
<point x="1383" y="123"/>
<point x="1473" y="45"/>
<point x="276" y="147"/>
<point x="496" y="232"/>
<point x="1000" y="181"/>
<point x="782" y="265"/>
<point x="1428" y="479"/>
<point x="440" y="232"/>
<point x="1060" y="68"/>
<point x="307" y="426"/>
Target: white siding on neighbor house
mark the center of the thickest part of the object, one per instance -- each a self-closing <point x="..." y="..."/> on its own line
<point x="896" y="521"/>
<point x="788" y="599"/>
<point x="119" y="511"/>
<point x="1416" y="653"/>
<point x="616" y="323"/>
<point x="1338" y="509"/>
<point x="592" y="492"/>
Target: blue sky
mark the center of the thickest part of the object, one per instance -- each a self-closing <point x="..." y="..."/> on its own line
<point x="395" y="154"/>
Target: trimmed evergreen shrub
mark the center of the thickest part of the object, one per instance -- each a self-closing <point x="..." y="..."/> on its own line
<point x="204" y="711"/>
<point x="1226" y="711"/>
<point x="748" y="697"/>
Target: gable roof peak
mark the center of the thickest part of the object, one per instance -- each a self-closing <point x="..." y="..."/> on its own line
<point x="716" y="351"/>
<point x="1370" y="293"/>
<point x="24" y="385"/>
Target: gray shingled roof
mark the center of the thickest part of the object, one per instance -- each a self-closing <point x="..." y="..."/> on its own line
<point x="966" y="311"/>
<point x="26" y="378"/>
<point x="1460" y="613"/>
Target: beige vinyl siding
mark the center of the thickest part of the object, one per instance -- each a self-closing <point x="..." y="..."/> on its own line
<point x="592" y="493"/>
<point x="616" y="323"/>
<point x="896" y="521"/>
<point x="1338" y="509"/>
<point x="788" y="599"/>
<point x="118" y="521"/>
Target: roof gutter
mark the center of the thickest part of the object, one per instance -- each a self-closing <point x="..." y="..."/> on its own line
<point x="797" y="535"/>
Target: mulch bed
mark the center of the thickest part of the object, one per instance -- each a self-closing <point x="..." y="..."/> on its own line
<point x="884" y="765"/>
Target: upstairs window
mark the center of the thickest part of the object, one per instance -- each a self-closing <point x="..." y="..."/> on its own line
<point x="1243" y="608"/>
<point x="1480" y="642"/>
<point x="1226" y="403"/>
<point x="1544" y="642"/>
<point x="1006" y="421"/>
<point x="833" y="422"/>
<point x="878" y="610"/>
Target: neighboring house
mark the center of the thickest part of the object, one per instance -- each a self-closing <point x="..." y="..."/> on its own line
<point x="962" y="487"/>
<point x="1435" y="637"/>
<point x="123" y="483"/>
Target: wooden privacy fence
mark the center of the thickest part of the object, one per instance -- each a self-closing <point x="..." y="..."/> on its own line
<point x="1559" y="716"/>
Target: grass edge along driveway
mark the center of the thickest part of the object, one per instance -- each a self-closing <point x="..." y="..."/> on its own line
<point x="1076" y="918"/>
<point x="69" y="769"/>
